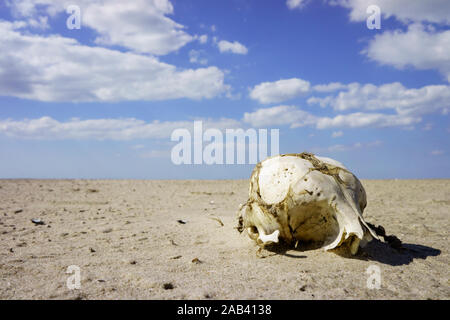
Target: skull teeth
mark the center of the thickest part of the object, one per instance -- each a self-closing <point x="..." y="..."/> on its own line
<point x="269" y="238"/>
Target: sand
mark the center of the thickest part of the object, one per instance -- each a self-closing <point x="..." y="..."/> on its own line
<point x="126" y="239"/>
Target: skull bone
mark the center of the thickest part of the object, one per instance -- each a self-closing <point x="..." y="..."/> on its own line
<point x="305" y="198"/>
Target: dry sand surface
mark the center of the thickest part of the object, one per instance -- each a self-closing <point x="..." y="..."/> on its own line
<point x="125" y="238"/>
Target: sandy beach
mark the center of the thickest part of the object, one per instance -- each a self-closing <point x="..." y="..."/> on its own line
<point x="136" y="239"/>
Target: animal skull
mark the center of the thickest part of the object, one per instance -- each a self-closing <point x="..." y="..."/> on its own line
<point x="305" y="198"/>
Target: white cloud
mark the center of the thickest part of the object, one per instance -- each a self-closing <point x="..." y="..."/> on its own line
<point x="278" y="91"/>
<point x="279" y="115"/>
<point x="330" y="87"/>
<point x="195" y="57"/>
<point x="203" y="38"/>
<point x="337" y="134"/>
<point x="417" y="47"/>
<point x="47" y="128"/>
<point x="427" y="99"/>
<point x="294" y="117"/>
<point x="55" y="68"/>
<point x="322" y="102"/>
<point x="39" y="23"/>
<point x="140" y="25"/>
<point x="436" y="11"/>
<point x="359" y="120"/>
<point x="343" y="147"/>
<point x="295" y="4"/>
<point x="233" y="47"/>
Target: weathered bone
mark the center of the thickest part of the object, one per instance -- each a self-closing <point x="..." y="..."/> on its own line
<point x="269" y="238"/>
<point x="302" y="197"/>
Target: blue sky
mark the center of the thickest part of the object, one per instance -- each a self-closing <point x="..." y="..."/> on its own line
<point x="103" y="100"/>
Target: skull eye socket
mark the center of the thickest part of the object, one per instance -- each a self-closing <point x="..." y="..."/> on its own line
<point x="253" y="232"/>
<point x="253" y="229"/>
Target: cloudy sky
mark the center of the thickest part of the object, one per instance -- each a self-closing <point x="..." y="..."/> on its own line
<point x="102" y="101"/>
